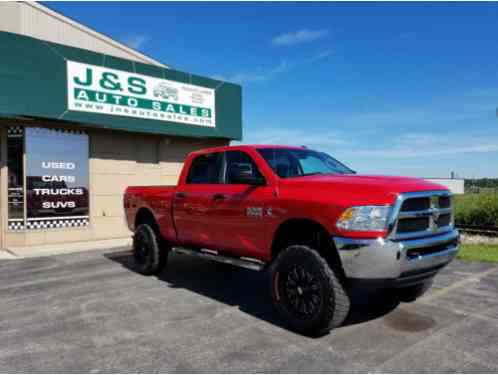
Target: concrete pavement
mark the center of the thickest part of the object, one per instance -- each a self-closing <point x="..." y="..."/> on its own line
<point x="19" y="252"/>
<point x="90" y="311"/>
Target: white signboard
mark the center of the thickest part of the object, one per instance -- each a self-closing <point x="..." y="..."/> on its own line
<point x="97" y="89"/>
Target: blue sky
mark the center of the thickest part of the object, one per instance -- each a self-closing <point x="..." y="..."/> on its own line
<point x="388" y="88"/>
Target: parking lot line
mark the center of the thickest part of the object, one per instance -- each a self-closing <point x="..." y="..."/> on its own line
<point x="475" y="278"/>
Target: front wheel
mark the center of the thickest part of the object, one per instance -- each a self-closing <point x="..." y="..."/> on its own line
<point x="307" y="292"/>
<point x="150" y="257"/>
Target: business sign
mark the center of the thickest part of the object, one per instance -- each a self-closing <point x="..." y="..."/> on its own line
<point x="97" y="89"/>
<point x="57" y="185"/>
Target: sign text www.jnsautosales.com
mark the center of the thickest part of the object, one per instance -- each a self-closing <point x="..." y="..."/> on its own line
<point x="101" y="90"/>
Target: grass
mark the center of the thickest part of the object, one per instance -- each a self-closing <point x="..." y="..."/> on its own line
<point x="479" y="253"/>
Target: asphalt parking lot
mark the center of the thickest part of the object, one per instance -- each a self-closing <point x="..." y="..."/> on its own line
<point x="91" y="312"/>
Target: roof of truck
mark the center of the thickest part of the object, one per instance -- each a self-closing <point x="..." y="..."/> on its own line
<point x="242" y="147"/>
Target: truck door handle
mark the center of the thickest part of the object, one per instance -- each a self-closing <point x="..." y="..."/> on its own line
<point x="180" y="195"/>
<point x="219" y="197"/>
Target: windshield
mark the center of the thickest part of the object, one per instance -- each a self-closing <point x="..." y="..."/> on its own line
<point x="289" y="162"/>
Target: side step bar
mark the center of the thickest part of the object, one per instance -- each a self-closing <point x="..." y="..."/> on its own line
<point x="244" y="262"/>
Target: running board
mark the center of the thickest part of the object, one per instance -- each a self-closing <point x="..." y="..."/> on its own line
<point x="244" y="262"/>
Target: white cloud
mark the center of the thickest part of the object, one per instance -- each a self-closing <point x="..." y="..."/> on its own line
<point x="296" y="137"/>
<point x="433" y="144"/>
<point x="456" y="110"/>
<point x="355" y="144"/>
<point x="383" y="118"/>
<point x="265" y="74"/>
<point x="260" y="74"/>
<point x="300" y="36"/>
<point x="136" y="41"/>
<point x="319" y="56"/>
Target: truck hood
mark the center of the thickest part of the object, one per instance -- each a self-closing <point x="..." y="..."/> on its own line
<point x="375" y="187"/>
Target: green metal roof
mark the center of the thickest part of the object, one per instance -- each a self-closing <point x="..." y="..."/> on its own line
<point x="34" y="83"/>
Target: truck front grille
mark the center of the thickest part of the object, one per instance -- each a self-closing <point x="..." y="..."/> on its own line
<point x="413" y="225"/>
<point x="444" y="202"/>
<point x="422" y="214"/>
<point x="416" y="204"/>
<point x="444" y="220"/>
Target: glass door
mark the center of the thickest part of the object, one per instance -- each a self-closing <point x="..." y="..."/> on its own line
<point x="15" y="179"/>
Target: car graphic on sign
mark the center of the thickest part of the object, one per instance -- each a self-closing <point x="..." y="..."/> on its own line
<point x="162" y="90"/>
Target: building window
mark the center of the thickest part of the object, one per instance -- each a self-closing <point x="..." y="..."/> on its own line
<point x="57" y="178"/>
<point x="57" y="185"/>
<point x="15" y="146"/>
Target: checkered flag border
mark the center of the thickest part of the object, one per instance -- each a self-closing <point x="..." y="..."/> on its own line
<point x="57" y="223"/>
<point x="16" y="224"/>
<point x="59" y="131"/>
<point x="15" y="131"/>
<point x="18" y="131"/>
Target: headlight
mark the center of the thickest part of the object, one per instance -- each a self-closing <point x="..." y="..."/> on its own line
<point x="364" y="218"/>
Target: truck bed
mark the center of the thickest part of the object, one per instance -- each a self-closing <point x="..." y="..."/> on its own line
<point x="158" y="200"/>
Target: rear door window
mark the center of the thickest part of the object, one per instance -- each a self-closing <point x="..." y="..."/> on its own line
<point x="205" y="169"/>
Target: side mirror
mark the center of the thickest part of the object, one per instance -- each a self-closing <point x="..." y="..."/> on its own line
<point x="242" y="173"/>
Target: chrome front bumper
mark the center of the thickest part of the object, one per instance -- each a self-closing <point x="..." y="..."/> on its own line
<point x="381" y="259"/>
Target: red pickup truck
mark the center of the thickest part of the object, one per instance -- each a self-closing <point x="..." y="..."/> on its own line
<point x="320" y="228"/>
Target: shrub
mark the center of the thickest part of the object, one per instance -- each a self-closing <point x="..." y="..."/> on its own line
<point x="476" y="209"/>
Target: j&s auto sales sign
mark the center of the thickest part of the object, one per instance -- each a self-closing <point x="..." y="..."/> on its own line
<point x="107" y="91"/>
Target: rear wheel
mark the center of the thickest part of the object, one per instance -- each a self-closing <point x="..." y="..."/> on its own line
<point x="307" y="292"/>
<point x="150" y="257"/>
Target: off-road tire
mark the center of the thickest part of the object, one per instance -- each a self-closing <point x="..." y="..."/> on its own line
<point x="334" y="300"/>
<point x="411" y="293"/>
<point x="149" y="251"/>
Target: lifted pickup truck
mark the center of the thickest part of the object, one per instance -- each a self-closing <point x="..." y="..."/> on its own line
<point x="318" y="227"/>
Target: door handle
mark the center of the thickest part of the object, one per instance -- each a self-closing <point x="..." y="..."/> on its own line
<point x="180" y="195"/>
<point x="219" y="197"/>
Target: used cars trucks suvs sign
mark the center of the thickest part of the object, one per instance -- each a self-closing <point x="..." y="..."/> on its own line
<point x="319" y="228"/>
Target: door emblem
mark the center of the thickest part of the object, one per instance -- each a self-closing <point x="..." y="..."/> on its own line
<point x="254" y="211"/>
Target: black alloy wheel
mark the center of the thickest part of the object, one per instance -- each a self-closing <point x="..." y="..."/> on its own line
<point x="148" y="255"/>
<point x="302" y="291"/>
